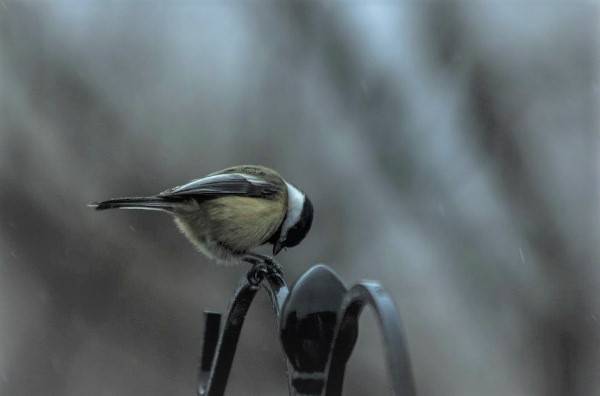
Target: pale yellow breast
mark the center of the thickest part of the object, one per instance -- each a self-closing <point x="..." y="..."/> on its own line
<point x="241" y="222"/>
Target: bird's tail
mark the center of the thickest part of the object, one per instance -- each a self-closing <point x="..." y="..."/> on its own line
<point x="144" y="203"/>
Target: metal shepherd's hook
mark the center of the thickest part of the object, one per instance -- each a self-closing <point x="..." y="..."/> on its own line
<point x="318" y="326"/>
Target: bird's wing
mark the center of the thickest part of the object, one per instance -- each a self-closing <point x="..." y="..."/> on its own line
<point x="225" y="184"/>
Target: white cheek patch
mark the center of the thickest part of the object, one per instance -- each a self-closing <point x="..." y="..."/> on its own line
<point x="295" y="204"/>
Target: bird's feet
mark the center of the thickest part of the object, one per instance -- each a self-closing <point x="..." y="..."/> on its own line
<point x="261" y="266"/>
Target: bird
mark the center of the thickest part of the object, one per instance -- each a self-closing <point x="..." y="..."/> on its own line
<point x="229" y="213"/>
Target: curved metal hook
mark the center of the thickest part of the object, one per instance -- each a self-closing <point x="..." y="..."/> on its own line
<point x="217" y="356"/>
<point x="373" y="294"/>
<point x="214" y="380"/>
<point x="307" y="327"/>
<point x="213" y="377"/>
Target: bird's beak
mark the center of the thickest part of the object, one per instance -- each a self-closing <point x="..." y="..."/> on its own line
<point x="277" y="246"/>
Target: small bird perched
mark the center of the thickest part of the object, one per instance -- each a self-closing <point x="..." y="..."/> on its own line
<point x="230" y="212"/>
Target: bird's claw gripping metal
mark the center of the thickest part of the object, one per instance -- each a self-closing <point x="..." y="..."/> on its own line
<point x="261" y="266"/>
<point x="256" y="275"/>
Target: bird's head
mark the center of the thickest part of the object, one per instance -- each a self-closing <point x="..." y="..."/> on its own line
<point x="297" y="222"/>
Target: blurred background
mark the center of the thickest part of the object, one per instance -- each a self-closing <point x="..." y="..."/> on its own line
<point x="450" y="150"/>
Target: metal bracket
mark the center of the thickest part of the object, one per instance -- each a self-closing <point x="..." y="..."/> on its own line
<point x="318" y="325"/>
